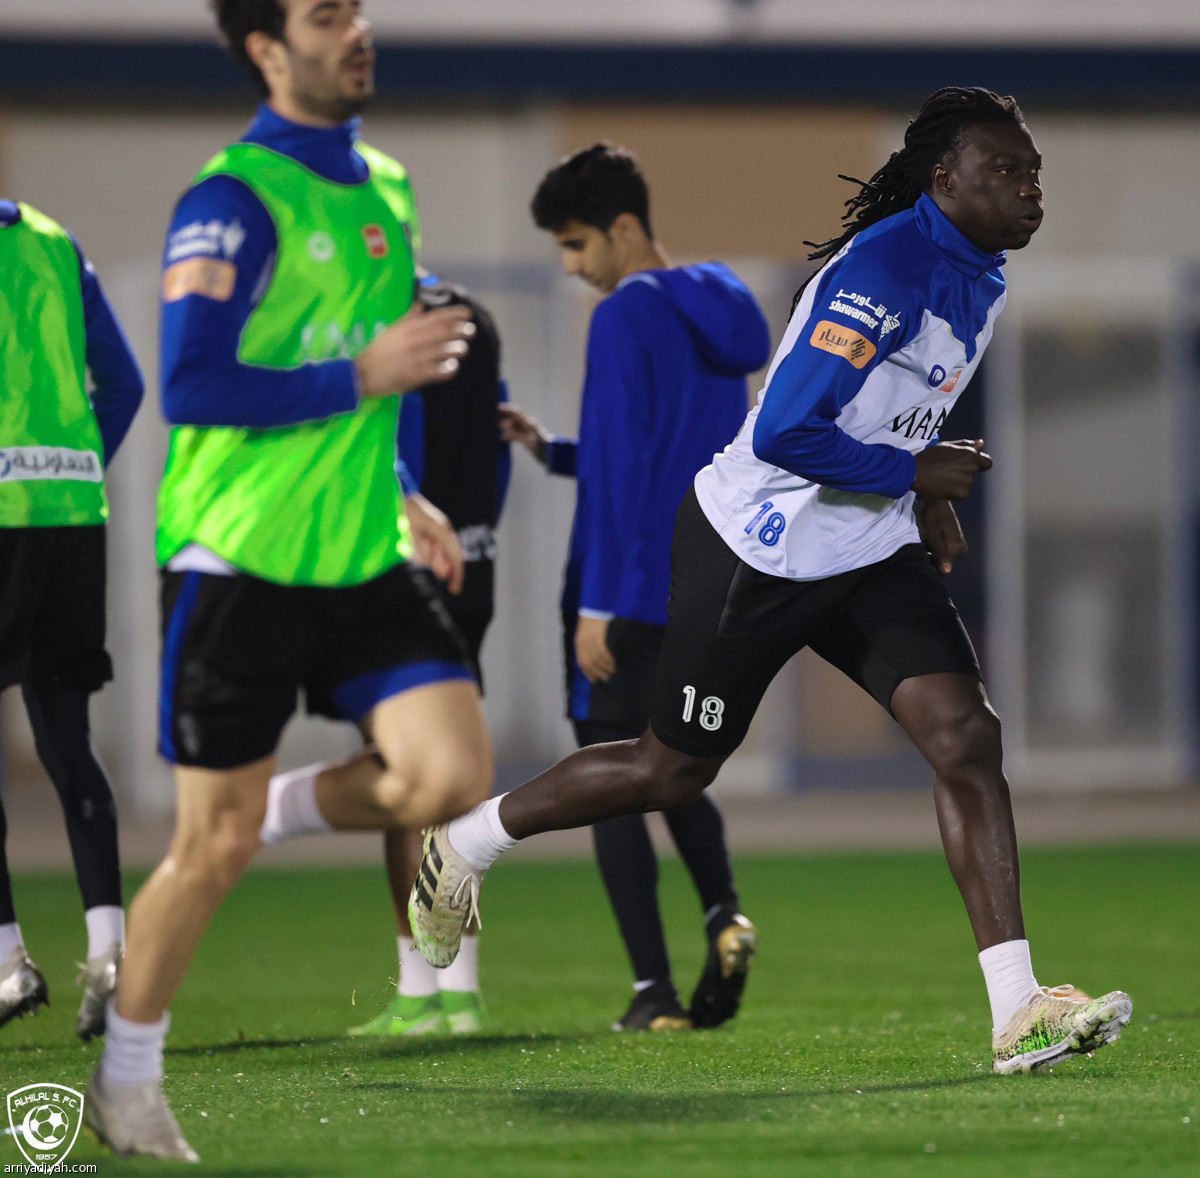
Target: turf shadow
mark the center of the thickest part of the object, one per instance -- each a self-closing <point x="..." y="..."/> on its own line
<point x="583" y="1104"/>
<point x="236" y="1045"/>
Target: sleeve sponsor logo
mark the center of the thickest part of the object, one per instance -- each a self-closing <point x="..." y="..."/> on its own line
<point x="844" y="342"/>
<point x="377" y="242"/>
<point x="209" y="239"/>
<point x="860" y="307"/>
<point x="211" y="278"/>
<point x="937" y="379"/>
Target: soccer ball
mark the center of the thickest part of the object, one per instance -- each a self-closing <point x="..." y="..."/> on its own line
<point x="46" y="1126"/>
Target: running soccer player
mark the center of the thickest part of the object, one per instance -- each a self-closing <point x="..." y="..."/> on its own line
<point x="286" y="338"/>
<point x="667" y="357"/>
<point x="56" y="328"/>
<point x="815" y="528"/>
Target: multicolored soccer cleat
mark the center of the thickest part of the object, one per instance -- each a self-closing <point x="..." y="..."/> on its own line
<point x="1055" y="1023"/>
<point x="444" y="900"/>
<point x="464" y="1011"/>
<point x="405" y="1015"/>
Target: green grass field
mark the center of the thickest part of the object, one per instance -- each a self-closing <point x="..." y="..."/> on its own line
<point x="862" y="1048"/>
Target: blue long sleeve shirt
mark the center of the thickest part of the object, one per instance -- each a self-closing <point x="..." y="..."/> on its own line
<point x="667" y="357"/>
<point x="203" y="381"/>
<point x="116" y="377"/>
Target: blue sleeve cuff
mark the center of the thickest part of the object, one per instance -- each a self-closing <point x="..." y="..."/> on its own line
<point x="408" y="484"/>
<point x="562" y="456"/>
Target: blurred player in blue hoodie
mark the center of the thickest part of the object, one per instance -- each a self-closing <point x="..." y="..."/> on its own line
<point x="668" y="354"/>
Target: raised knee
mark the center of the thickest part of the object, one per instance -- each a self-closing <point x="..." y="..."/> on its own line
<point x="442" y="790"/>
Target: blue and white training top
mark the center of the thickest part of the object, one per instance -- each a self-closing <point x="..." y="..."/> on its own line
<point x="881" y="345"/>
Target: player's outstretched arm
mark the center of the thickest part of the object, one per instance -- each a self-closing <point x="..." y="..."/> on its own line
<point x="422" y="348"/>
<point x="518" y="426"/>
<point x="947" y="470"/>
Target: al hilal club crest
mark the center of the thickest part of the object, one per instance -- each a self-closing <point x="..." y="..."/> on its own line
<point x="45" y="1120"/>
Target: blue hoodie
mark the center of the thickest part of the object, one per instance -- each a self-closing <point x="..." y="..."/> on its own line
<point x="667" y="359"/>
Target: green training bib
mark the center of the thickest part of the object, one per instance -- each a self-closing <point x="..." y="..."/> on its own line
<point x="51" y="454"/>
<point x="316" y="503"/>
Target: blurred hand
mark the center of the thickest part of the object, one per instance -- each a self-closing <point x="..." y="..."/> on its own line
<point x="423" y="348"/>
<point x="948" y="470"/>
<point x="516" y="426"/>
<point x="591" y="650"/>
<point x="941" y="533"/>
<point x="435" y="542"/>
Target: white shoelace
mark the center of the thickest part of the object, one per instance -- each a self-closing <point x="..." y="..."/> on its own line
<point x="470" y="885"/>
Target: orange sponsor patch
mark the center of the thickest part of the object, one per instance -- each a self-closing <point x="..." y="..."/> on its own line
<point x="844" y="342"/>
<point x="213" y="278"/>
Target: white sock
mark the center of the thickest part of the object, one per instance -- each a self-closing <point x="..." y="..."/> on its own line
<point x="133" y="1052"/>
<point x="418" y="979"/>
<point x="10" y="940"/>
<point x="292" y="806"/>
<point x="462" y="974"/>
<point x="479" y="837"/>
<point x="106" y="928"/>
<point x="1009" y="976"/>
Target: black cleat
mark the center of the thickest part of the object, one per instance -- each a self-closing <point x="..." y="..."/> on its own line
<point x="656" y="1008"/>
<point x="733" y="941"/>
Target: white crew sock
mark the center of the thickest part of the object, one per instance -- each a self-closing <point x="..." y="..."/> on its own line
<point x="418" y="979"/>
<point x="292" y="806"/>
<point x="462" y="974"/>
<point x="1009" y="976"/>
<point x="10" y="940"/>
<point x="133" y="1052"/>
<point x="106" y="928"/>
<point x="479" y="837"/>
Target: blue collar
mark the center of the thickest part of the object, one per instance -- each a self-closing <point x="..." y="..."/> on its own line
<point x="961" y="254"/>
<point x="10" y="214"/>
<point x="328" y="151"/>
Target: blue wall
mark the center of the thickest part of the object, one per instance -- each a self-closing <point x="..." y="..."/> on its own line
<point x="41" y="70"/>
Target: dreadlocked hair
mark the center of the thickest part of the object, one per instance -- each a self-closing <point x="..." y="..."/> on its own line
<point x="937" y="131"/>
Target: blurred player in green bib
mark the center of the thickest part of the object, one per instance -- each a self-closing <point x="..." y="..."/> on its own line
<point x="289" y="331"/>
<point x="56" y="329"/>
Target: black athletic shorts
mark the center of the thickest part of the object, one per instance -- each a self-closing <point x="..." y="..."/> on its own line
<point x="732" y="628"/>
<point x="471" y="610"/>
<point x="52" y="607"/>
<point x="626" y="700"/>
<point x="237" y="650"/>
